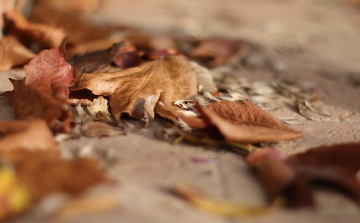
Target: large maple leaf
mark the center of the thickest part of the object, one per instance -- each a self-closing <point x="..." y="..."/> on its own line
<point x="139" y="90"/>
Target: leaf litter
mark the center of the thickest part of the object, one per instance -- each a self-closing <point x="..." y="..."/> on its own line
<point x="144" y="75"/>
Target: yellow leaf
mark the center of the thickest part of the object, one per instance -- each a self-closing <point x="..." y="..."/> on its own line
<point x="14" y="196"/>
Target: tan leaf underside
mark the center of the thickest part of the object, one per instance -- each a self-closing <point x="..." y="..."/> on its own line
<point x="167" y="79"/>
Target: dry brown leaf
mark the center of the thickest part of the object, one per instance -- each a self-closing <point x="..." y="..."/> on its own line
<point x="26" y="135"/>
<point x="45" y="173"/>
<point x="13" y="53"/>
<point x="242" y="123"/>
<point x="44" y="91"/>
<point x="167" y="79"/>
<point x="26" y="32"/>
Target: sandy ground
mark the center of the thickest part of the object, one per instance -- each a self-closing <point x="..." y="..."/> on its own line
<point x="316" y="41"/>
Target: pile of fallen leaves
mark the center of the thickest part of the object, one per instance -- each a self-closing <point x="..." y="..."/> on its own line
<point x="91" y="83"/>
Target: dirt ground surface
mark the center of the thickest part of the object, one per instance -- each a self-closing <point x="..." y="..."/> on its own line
<point x="309" y="41"/>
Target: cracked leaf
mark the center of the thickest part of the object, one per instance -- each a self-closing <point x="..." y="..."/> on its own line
<point x="168" y="79"/>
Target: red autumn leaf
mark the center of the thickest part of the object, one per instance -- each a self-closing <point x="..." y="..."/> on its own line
<point x="242" y="123"/>
<point x="50" y="73"/>
<point x="294" y="176"/>
<point x="13" y="54"/>
<point x="26" y="32"/>
<point x="44" y="91"/>
<point x="26" y="135"/>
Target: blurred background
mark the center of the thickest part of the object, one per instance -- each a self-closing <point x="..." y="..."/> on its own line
<point x="326" y="31"/>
